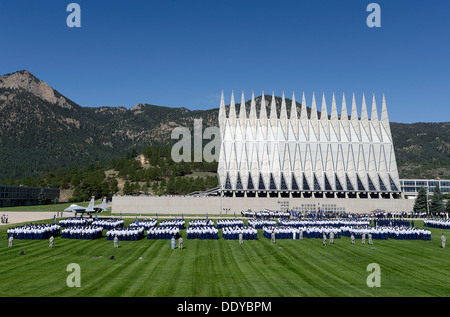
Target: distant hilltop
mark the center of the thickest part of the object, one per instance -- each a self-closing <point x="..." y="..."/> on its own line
<point x="42" y="130"/>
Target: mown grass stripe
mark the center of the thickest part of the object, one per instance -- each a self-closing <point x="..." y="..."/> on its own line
<point x="224" y="268"/>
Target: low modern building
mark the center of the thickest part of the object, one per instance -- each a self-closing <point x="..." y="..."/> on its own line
<point x="412" y="186"/>
<point x="11" y="196"/>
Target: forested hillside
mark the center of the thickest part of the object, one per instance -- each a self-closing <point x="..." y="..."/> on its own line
<point x="42" y="131"/>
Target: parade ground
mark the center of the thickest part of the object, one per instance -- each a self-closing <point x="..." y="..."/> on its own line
<point x="27" y="216"/>
<point x="223" y="268"/>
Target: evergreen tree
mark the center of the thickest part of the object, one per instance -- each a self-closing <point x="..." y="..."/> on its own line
<point x="113" y="186"/>
<point x="41" y="197"/>
<point x="437" y="201"/>
<point x="127" y="188"/>
<point x="447" y="206"/>
<point x="145" y="189"/>
<point x="420" y="204"/>
<point x="162" y="186"/>
<point x="155" y="187"/>
<point x="171" y="185"/>
<point x="136" y="188"/>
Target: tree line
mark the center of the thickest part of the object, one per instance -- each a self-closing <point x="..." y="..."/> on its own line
<point x="159" y="175"/>
<point x="433" y="204"/>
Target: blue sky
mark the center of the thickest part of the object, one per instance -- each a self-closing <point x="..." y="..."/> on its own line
<point x="184" y="53"/>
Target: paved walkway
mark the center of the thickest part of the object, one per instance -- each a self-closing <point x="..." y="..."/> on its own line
<point x="27" y="216"/>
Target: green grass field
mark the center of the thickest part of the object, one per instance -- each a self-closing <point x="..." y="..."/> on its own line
<point x="223" y="268"/>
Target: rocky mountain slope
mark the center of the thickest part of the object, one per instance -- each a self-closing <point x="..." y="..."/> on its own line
<point x="41" y="130"/>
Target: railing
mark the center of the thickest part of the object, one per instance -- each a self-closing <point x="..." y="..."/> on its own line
<point x="205" y="192"/>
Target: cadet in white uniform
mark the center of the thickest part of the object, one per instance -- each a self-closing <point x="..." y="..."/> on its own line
<point x="443" y="239"/>
<point x="10" y="241"/>
<point x="51" y="242"/>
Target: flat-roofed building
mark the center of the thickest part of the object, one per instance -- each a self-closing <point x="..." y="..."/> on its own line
<point x="412" y="186"/>
<point x="11" y="196"/>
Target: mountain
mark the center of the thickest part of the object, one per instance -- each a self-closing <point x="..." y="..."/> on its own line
<point x="422" y="150"/>
<point x="42" y="130"/>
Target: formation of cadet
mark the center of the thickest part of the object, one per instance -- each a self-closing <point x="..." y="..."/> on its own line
<point x="266" y="214"/>
<point x="146" y="223"/>
<point x="337" y="223"/>
<point x="392" y="222"/>
<point x="442" y="214"/>
<point x="275" y="225"/>
<point x="235" y="232"/>
<point x="269" y="214"/>
<point x="75" y="222"/>
<point x="125" y="234"/>
<point x="222" y="223"/>
<point x="387" y="232"/>
<point x="109" y="223"/>
<point x="202" y="232"/>
<point x="381" y="214"/>
<point x="34" y="231"/>
<point x="180" y="223"/>
<point x="165" y="232"/>
<point x="82" y="232"/>
<point x="291" y="232"/>
<point x="355" y="229"/>
<point x="437" y="223"/>
<point x="201" y="223"/>
<point x="260" y="223"/>
<point x="248" y="214"/>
